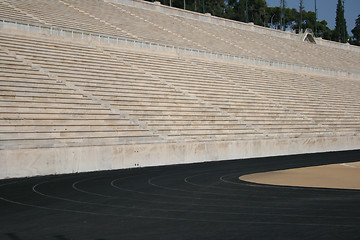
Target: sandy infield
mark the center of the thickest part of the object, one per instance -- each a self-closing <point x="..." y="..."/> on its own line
<point x="342" y="176"/>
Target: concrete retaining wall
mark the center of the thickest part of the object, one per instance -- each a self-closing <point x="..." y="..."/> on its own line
<point x="45" y="161"/>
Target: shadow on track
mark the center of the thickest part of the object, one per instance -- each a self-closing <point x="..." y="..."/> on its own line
<point x="194" y="201"/>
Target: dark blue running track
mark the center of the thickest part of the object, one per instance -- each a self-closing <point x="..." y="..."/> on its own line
<point x="195" y="201"/>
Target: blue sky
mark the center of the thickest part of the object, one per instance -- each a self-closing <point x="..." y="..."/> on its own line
<point x="326" y="10"/>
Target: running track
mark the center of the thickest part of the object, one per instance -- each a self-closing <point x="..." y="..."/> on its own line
<point x="195" y="201"/>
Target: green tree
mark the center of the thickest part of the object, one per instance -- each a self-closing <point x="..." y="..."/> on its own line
<point x="291" y="18"/>
<point x="323" y="30"/>
<point x="308" y="20"/>
<point x="235" y="10"/>
<point x="340" y="24"/>
<point x="301" y="12"/>
<point x="356" y="32"/>
<point x="258" y="11"/>
<point x="192" y="5"/>
<point x="216" y="7"/>
<point x="274" y="17"/>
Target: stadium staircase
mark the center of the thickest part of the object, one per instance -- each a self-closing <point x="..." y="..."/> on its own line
<point x="131" y="22"/>
<point x="66" y="93"/>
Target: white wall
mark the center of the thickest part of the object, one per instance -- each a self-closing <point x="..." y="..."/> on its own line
<point x="45" y="161"/>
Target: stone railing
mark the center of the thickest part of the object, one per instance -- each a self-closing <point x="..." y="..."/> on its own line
<point x="98" y="37"/>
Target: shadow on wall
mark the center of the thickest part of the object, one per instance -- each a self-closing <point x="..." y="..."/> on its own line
<point x="13" y="236"/>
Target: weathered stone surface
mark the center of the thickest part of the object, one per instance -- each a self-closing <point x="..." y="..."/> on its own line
<point x="44" y="161"/>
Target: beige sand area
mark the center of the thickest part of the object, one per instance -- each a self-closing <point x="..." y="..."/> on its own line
<point x="341" y="176"/>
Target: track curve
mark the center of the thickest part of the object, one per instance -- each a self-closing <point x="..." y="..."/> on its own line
<point x="196" y="201"/>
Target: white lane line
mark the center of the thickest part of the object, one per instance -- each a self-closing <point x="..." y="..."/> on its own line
<point x="151" y="182"/>
<point x="140" y="208"/>
<point x="177" y="210"/>
<point x="55" y="209"/>
<point x="152" y="217"/>
<point x="186" y="179"/>
<point x="173" y="218"/>
<point x="189" y="203"/>
<point x="74" y="186"/>
<point x="9" y="183"/>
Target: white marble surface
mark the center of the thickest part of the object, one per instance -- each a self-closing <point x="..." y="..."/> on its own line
<point x="45" y="161"/>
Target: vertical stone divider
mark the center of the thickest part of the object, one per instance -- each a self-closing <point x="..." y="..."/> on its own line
<point x="98" y="19"/>
<point x="212" y="35"/>
<point x="79" y="90"/>
<point x="24" y="12"/>
<point x="156" y="25"/>
<point x="303" y="75"/>
<point x="240" y="120"/>
<point x="302" y="115"/>
<point x="274" y="102"/>
<point x="178" y="89"/>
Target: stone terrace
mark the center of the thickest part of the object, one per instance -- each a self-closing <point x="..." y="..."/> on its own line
<point x="56" y="93"/>
<point x="109" y="17"/>
<point x="70" y="105"/>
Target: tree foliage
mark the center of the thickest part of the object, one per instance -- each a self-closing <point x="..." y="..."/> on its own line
<point x="301" y="13"/>
<point x="356" y="32"/>
<point x="340" y="24"/>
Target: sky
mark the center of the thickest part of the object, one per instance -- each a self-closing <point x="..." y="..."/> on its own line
<point x="326" y="10"/>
